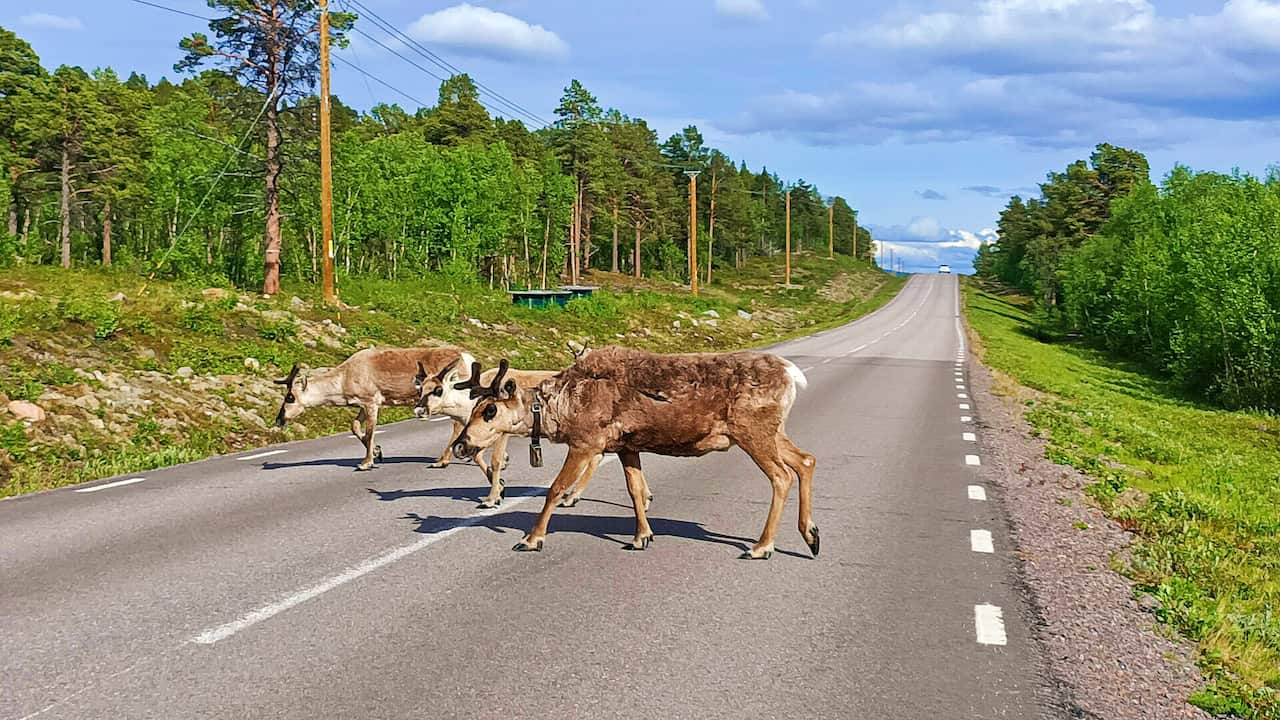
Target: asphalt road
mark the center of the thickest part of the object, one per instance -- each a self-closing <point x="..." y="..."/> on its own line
<point x="289" y="586"/>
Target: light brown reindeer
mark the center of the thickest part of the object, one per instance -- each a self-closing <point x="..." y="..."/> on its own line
<point x="370" y="379"/>
<point x="629" y="401"/>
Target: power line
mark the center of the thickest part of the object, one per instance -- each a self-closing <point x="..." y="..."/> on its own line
<point x="380" y="81"/>
<point x="445" y="65"/>
<point x="173" y="10"/>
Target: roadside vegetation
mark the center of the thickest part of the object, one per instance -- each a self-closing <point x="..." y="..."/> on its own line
<point x="1199" y="487"/>
<point x="134" y="375"/>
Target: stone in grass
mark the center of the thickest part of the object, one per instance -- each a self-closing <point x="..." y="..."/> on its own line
<point x="185" y="372"/>
<point x="214" y="293"/>
<point x="252" y="364"/>
<point x="744" y="314"/>
<point x="711" y="313"/>
<point x="27" y="411"/>
<point x="118" y="297"/>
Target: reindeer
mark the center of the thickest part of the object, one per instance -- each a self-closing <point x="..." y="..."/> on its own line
<point x="630" y="401"/>
<point x="454" y="395"/>
<point x="369" y="379"/>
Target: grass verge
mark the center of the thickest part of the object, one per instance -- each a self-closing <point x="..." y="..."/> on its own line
<point x="1200" y="488"/>
<point x="135" y="375"/>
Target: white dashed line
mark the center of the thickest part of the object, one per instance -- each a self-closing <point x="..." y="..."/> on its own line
<point x="970" y="437"/>
<point x="806" y="369"/>
<point x="977" y="492"/>
<point x="959" y="386"/>
<point x="972" y="460"/>
<point x="442" y="418"/>
<point x="859" y="348"/>
<point x="226" y="630"/>
<point x="118" y="483"/>
<point x="965" y="419"/>
<point x="962" y="396"/>
<point x="980" y="541"/>
<point x="268" y="453"/>
<point x="824" y="362"/>
<point x="964" y="406"/>
<point x="378" y="432"/>
<point x="988" y="622"/>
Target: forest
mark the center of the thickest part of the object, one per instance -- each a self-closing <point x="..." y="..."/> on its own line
<point x="215" y="175"/>
<point x="1183" y="277"/>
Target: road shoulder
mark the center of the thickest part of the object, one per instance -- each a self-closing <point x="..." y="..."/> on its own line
<point x="1110" y="655"/>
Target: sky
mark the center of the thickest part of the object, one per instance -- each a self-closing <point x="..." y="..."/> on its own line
<point x="926" y="115"/>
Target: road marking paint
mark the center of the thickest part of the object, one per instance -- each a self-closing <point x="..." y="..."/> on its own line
<point x="442" y="418"/>
<point x="806" y="369"/>
<point x="972" y="460"/>
<point x="965" y="418"/>
<point x="268" y="453"/>
<point x="980" y="541"/>
<point x="977" y="492"/>
<point x="970" y="437"/>
<point x="988" y="623"/>
<point x="226" y="630"/>
<point x="962" y="396"/>
<point x="378" y="432"/>
<point x="859" y="348"/>
<point x="964" y="406"/>
<point x="824" y="362"/>
<point x="959" y="386"/>
<point x="118" y="483"/>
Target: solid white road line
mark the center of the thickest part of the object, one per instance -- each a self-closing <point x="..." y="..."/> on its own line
<point x="268" y="453"/>
<point x="226" y="630"/>
<point x="977" y="492"/>
<point x="117" y="483"/>
<point x="988" y="622"/>
<point x="972" y="460"/>
<point x="442" y="418"/>
<point x="980" y="541"/>
<point x="970" y="437"/>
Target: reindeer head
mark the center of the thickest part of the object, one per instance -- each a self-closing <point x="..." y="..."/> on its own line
<point x="292" y="406"/>
<point x="499" y="410"/>
<point x="432" y="388"/>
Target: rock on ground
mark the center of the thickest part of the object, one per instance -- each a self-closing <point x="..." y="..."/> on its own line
<point x="27" y="411"/>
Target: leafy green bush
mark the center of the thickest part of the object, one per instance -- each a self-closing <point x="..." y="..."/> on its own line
<point x="283" y="330"/>
<point x="102" y="316"/>
<point x="200" y="318"/>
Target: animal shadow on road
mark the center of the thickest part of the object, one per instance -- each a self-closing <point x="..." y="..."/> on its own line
<point x="349" y="462"/>
<point x="473" y="494"/>
<point x="609" y="528"/>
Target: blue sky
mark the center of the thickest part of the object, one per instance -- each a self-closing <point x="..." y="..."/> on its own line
<point x="925" y="114"/>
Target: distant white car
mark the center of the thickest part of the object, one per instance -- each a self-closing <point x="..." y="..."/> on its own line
<point x="945" y="269"/>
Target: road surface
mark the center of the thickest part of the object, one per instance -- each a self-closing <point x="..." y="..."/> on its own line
<point x="279" y="583"/>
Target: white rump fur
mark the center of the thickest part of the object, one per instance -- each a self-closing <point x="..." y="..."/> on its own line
<point x="798" y="383"/>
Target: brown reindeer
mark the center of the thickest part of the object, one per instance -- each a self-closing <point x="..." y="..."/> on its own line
<point x="369" y="379"/>
<point x="629" y="401"/>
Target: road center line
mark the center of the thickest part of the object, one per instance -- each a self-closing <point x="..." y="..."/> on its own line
<point x="268" y="453"/>
<point x="118" y="483"/>
<point x="226" y="630"/>
<point x="980" y="541"/>
<point x="988" y="622"/>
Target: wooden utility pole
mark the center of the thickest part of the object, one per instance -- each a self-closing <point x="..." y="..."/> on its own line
<point x="693" y="233"/>
<point x="788" y="248"/>
<point x="831" y="231"/>
<point x="326" y="166"/>
<point x="855" y="234"/>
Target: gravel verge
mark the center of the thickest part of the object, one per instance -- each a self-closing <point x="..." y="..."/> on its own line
<point x="1114" y="660"/>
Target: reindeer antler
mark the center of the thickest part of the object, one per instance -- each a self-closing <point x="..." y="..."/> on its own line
<point x="503" y="366"/>
<point x="422" y="375"/>
<point x="293" y="373"/>
<point x="470" y="382"/>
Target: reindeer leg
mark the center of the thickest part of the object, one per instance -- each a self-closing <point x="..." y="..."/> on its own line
<point x="447" y="454"/>
<point x="802" y="464"/>
<point x="357" y="424"/>
<point x="371" y="415"/>
<point x="574" y="464"/>
<point x="494" y="473"/>
<point x="638" y="489"/>
<point x="768" y="459"/>
<point x="580" y="486"/>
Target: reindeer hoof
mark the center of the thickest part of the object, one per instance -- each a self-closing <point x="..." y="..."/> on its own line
<point x="364" y="467"/>
<point x="377" y="453"/>
<point x="762" y="556"/>
<point x="526" y="546"/>
<point x="641" y="545"/>
<point x="813" y="544"/>
<point x="438" y="464"/>
<point x="570" y="501"/>
<point x="489" y="504"/>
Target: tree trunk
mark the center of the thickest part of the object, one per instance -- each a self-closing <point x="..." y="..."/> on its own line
<point x="24" y="233"/>
<point x="64" y="208"/>
<point x="13" y="218"/>
<point x="106" y="232"/>
<point x="615" y="235"/>
<point x="586" y="243"/>
<point x="546" y="240"/>
<point x="636" y="266"/>
<point x="575" y="235"/>
<point x="271" y="257"/>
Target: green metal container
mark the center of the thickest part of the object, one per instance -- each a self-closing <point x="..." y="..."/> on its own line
<point x="538" y="299"/>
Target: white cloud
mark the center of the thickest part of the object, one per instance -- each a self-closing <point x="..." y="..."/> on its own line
<point x="924" y="244"/>
<point x="742" y="9"/>
<point x="51" y="22"/>
<point x="487" y="33"/>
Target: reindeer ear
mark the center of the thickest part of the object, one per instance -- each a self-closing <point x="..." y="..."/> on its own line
<point x="422" y="375"/>
<point x="304" y="383"/>
<point x="445" y="371"/>
<point x="508" y="389"/>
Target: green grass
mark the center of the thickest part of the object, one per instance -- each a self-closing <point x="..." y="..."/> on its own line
<point x="1199" y="486"/>
<point x="65" y="327"/>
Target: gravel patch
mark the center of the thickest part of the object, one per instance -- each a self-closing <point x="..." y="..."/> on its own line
<point x="1102" y="645"/>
